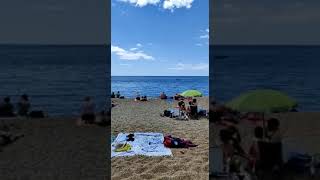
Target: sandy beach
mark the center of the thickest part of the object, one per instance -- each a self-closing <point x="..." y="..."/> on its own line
<point x="54" y="149"/>
<point x="193" y="163"/>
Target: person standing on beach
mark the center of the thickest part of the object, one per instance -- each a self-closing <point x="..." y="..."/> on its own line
<point x="88" y="111"/>
<point x="6" y="109"/>
<point x="24" y="105"/>
<point x="118" y="94"/>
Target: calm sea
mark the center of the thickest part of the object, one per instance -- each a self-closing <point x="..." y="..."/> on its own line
<point x="291" y="69"/>
<point x="152" y="86"/>
<point x="55" y="77"/>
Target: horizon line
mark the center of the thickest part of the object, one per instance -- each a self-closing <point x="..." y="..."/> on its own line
<point x="160" y="75"/>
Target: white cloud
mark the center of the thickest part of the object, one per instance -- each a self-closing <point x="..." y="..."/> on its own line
<point x="195" y="67"/>
<point x="124" y="64"/>
<point x="139" y="45"/>
<point x="133" y="49"/>
<point x="171" y="4"/>
<point x="167" y="4"/>
<point x="198" y="44"/>
<point x="129" y="55"/>
<point x="141" y="3"/>
<point x="206" y="36"/>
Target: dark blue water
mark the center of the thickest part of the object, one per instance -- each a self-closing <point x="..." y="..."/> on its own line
<point x="291" y="69"/>
<point x="55" y="77"/>
<point x="152" y="86"/>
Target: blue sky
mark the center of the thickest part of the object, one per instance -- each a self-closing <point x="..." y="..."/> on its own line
<point x="159" y="37"/>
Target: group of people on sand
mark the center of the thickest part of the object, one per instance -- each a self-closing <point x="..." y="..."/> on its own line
<point x="264" y="150"/>
<point x="117" y="95"/>
<point x="140" y="98"/>
<point x="88" y="114"/>
<point x="7" y="109"/>
<point x="190" y="111"/>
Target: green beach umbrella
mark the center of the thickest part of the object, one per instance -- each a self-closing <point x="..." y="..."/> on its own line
<point x="191" y="93"/>
<point x="264" y="100"/>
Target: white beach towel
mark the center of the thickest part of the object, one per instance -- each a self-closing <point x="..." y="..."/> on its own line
<point x="147" y="144"/>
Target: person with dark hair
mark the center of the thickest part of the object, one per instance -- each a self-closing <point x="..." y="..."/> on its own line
<point x="180" y="103"/>
<point x="144" y="98"/>
<point x="194" y="102"/>
<point x="194" y="109"/>
<point x="24" y="105"/>
<point x="88" y="111"/>
<point x="6" y="109"/>
<point x="113" y="95"/>
<point x="163" y="96"/>
<point x="118" y="94"/>
<point x="138" y="98"/>
<point x="273" y="134"/>
<point x="178" y="97"/>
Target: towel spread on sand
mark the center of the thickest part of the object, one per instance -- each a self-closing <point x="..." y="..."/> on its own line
<point x="147" y="144"/>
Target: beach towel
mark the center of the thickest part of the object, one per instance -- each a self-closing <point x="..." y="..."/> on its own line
<point x="147" y="144"/>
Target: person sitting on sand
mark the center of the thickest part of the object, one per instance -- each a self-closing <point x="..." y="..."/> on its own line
<point x="163" y="96"/>
<point x="24" y="105"/>
<point x="178" y="97"/>
<point x="113" y="95"/>
<point x="144" y="98"/>
<point x="137" y="97"/>
<point x="118" y="94"/>
<point x="88" y="111"/>
<point x="6" y="109"/>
